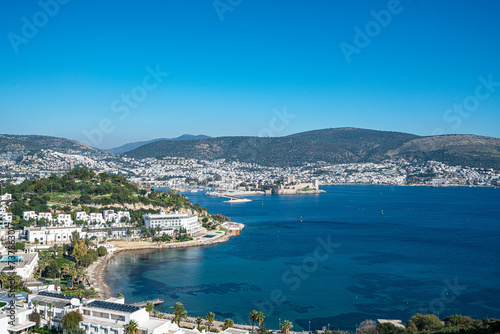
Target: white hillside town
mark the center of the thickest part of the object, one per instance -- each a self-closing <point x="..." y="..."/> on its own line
<point x="229" y="176"/>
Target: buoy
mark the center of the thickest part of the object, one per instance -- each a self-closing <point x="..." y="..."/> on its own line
<point x="301" y="219"/>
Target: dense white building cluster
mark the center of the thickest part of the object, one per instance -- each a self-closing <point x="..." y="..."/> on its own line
<point x="180" y="173"/>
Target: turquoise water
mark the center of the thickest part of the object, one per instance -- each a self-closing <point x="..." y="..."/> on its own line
<point x="11" y="258"/>
<point x="434" y="250"/>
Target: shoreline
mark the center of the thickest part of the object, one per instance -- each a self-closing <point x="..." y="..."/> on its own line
<point x="96" y="271"/>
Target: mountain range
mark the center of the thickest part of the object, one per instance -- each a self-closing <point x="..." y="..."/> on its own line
<point x="335" y="146"/>
<point x="339" y="145"/>
<point x="16" y="143"/>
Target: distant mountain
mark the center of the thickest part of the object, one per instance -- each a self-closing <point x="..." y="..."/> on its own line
<point x="134" y="145"/>
<point x="340" y="145"/>
<point x="16" y="143"/>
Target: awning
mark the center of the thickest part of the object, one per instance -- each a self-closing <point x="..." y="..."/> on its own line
<point x="20" y="327"/>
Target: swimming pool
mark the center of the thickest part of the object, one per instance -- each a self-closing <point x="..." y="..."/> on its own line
<point x="11" y="258"/>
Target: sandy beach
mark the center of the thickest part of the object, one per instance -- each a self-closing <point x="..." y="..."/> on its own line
<point x="96" y="271"/>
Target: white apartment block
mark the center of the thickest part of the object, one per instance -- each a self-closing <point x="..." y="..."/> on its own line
<point x="5" y="217"/>
<point x="96" y="218"/>
<point x="109" y="215"/>
<point x="81" y="215"/>
<point x="46" y="215"/>
<point x="50" y="235"/>
<point x="27" y="215"/>
<point x="6" y="198"/>
<point x="122" y="214"/>
<point x="169" y="222"/>
<point x="64" y="219"/>
<point x="20" y="324"/>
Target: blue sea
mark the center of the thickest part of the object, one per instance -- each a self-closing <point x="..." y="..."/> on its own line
<point x="433" y="250"/>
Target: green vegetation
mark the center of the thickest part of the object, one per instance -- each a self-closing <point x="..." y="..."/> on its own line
<point x="35" y="143"/>
<point x="429" y="323"/>
<point x="85" y="190"/>
<point x="179" y="312"/>
<point x="71" y="320"/>
<point x="337" y="146"/>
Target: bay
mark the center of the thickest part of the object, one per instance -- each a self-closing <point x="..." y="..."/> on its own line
<point x="433" y="250"/>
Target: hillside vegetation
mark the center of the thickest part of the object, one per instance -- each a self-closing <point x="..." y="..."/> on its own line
<point x="82" y="189"/>
<point x="15" y="143"/>
<point x="336" y="146"/>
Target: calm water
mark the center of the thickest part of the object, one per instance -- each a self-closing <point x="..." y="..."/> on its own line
<point x="434" y="250"/>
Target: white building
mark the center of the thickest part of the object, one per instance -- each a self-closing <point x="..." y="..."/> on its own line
<point x="169" y="222"/>
<point x="64" y="219"/>
<point x="19" y="324"/>
<point x="27" y="215"/>
<point x="96" y="218"/>
<point x="5" y="217"/>
<point x="50" y="235"/>
<point x="45" y="215"/>
<point x="81" y="215"/>
<point x="122" y="214"/>
<point x="109" y="215"/>
<point x="6" y="198"/>
<point x="22" y="263"/>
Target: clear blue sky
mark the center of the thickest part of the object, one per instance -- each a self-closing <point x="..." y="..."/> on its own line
<point x="227" y="76"/>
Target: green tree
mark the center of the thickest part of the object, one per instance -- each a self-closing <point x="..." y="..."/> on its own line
<point x="388" y="328"/>
<point x="262" y="328"/>
<point x="179" y="312"/>
<point x="228" y="323"/>
<point x="51" y="306"/>
<point x="286" y="325"/>
<point x="132" y="327"/>
<point x="428" y="322"/>
<point x="253" y="317"/>
<point x="210" y="319"/>
<point x="198" y="321"/>
<point x="35" y="317"/>
<point x="71" y="320"/>
<point x="102" y="251"/>
<point x="76" y="330"/>
<point x="150" y="307"/>
<point x="259" y="317"/>
<point x="457" y="320"/>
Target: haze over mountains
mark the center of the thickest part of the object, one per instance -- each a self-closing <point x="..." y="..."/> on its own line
<point x="334" y="146"/>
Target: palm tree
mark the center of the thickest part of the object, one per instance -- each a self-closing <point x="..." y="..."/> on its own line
<point x="210" y="319"/>
<point x="3" y="280"/>
<point x="259" y="317"/>
<point x="132" y="327"/>
<point x="90" y="293"/>
<point x="228" y="323"/>
<point x="286" y="325"/>
<point x="35" y="304"/>
<point x="150" y="307"/>
<point x="253" y="317"/>
<point x="179" y="312"/>
<point x="50" y="305"/>
<point x="198" y="321"/>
